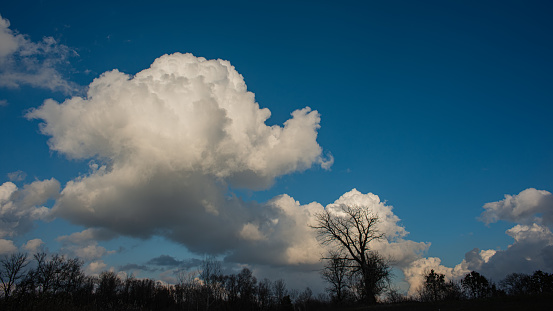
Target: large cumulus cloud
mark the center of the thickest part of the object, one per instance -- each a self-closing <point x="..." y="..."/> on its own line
<point x="167" y="143"/>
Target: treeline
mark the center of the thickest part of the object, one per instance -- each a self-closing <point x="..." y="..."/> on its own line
<point x="476" y="286"/>
<point x="58" y="283"/>
<point x="55" y="282"/>
<point x="474" y="291"/>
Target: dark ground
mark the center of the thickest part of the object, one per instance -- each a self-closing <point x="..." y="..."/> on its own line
<point x="502" y="303"/>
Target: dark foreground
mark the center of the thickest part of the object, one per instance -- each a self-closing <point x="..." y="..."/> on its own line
<point x="544" y="302"/>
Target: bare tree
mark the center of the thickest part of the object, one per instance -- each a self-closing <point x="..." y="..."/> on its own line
<point x="337" y="273"/>
<point x="11" y="271"/>
<point x="352" y="230"/>
<point x="211" y="274"/>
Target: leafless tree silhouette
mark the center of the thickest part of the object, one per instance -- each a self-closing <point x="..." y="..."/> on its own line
<point x="352" y="229"/>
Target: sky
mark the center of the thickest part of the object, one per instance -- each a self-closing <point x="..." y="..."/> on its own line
<point x="144" y="136"/>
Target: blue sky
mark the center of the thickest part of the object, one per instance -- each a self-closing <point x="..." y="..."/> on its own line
<point x="436" y="107"/>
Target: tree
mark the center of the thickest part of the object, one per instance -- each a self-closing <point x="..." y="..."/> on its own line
<point x="516" y="284"/>
<point x="476" y="285"/>
<point x="247" y="284"/>
<point x="108" y="288"/>
<point x="212" y="277"/>
<point x="436" y="288"/>
<point x="11" y="271"/>
<point x="264" y="294"/>
<point x="352" y="230"/>
<point x="337" y="274"/>
<point x="541" y="283"/>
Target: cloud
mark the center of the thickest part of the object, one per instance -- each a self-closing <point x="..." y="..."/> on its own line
<point x="95" y="268"/>
<point x="531" y="250"/>
<point x="7" y="247"/>
<point x="166" y="146"/>
<point x="87" y="236"/>
<point x="24" y="62"/>
<point x="20" y="207"/>
<point x="134" y="267"/>
<point x="395" y="247"/>
<point x="527" y="207"/>
<point x="416" y="271"/>
<point x="84" y="244"/>
<point x="17" y="176"/>
<point x="34" y="246"/>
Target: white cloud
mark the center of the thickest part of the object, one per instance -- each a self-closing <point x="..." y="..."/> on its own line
<point x="400" y="251"/>
<point x="95" y="268"/>
<point x="33" y="246"/>
<point x="24" y="62"/>
<point x="7" y="247"/>
<point x="20" y="207"/>
<point x="527" y="207"/>
<point x="531" y="250"/>
<point x="167" y="143"/>
<point x="415" y="273"/>
<point x="84" y="244"/>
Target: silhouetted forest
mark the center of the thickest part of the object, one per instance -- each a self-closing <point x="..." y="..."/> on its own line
<point x="54" y="282"/>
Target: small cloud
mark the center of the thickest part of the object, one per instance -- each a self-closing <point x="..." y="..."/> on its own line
<point x="84" y="244"/>
<point x="172" y="262"/>
<point x="20" y="207"/>
<point x="38" y="64"/>
<point x="7" y="247"/>
<point x="17" y="176"/>
<point x="164" y="260"/>
<point x="134" y="267"/>
<point x="94" y="268"/>
<point x="34" y="246"/>
<point x="529" y="206"/>
<point x="3" y="103"/>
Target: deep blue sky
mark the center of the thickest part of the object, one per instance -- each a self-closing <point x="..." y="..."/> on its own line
<point x="438" y="107"/>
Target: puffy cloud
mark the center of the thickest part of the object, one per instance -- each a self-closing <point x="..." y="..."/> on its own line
<point x="532" y="210"/>
<point x="34" y="246"/>
<point x="84" y="244"/>
<point x="532" y="248"/>
<point x="530" y="251"/>
<point x="399" y="250"/>
<point x="95" y="268"/>
<point x="37" y="64"/>
<point x="528" y="206"/>
<point x="20" y="207"/>
<point x="415" y="273"/>
<point x="167" y="143"/>
<point x="7" y="247"/>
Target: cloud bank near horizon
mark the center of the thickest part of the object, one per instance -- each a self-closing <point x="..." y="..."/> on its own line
<point x="532" y="248"/>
